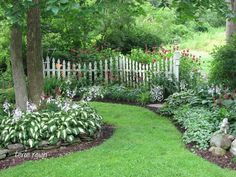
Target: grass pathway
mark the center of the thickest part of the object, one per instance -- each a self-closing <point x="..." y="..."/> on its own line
<point x="143" y="144"/>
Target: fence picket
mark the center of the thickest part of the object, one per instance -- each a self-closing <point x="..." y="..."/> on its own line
<point x="53" y="67"/>
<point x="58" y="69"/>
<point x="123" y="69"/>
<point x="79" y="71"/>
<point x="48" y="67"/>
<point x="101" y="69"/>
<point x="90" y="73"/>
<point x="111" y="71"/>
<point x="106" y="72"/>
<point x="95" y="72"/>
<point x="116" y="72"/>
<point x="68" y="69"/>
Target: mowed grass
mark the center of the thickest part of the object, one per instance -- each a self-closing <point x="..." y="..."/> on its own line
<point x="144" y="144"/>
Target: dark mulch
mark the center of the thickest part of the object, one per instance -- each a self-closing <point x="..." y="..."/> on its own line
<point x="107" y="131"/>
<point x="225" y="161"/>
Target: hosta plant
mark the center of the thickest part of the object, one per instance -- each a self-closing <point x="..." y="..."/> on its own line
<point x="67" y="122"/>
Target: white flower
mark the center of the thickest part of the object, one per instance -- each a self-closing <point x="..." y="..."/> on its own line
<point x="17" y="113"/>
<point x="66" y="107"/>
<point x="49" y="100"/>
<point x="6" y="108"/>
<point x="31" y="107"/>
<point x="75" y="106"/>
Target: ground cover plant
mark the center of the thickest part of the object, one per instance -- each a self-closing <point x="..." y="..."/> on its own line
<point x="200" y="112"/>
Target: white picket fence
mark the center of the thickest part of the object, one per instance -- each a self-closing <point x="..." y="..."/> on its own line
<point x="120" y="69"/>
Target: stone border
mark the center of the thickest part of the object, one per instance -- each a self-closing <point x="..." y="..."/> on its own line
<point x="19" y="154"/>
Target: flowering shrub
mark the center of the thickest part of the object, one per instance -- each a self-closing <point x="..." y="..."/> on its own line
<point x="56" y="120"/>
<point x="91" y="93"/>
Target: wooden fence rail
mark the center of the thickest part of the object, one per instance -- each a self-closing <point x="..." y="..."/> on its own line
<point x="119" y="69"/>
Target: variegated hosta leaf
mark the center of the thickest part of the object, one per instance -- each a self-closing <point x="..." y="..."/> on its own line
<point x="70" y="138"/>
<point x="31" y="143"/>
<point x="52" y="128"/>
<point x="63" y="134"/>
<point x="81" y="130"/>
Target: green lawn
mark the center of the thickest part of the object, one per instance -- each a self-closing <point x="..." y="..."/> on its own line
<point x="144" y="144"/>
<point x="203" y="44"/>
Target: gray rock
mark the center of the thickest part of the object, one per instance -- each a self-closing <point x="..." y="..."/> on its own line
<point x="13" y="148"/>
<point x="50" y="147"/>
<point x="233" y="148"/>
<point x="16" y="147"/>
<point x="3" y="151"/>
<point x="217" y="151"/>
<point x="231" y="137"/>
<point x="221" y="141"/>
<point x="43" y="143"/>
<point x="3" y="156"/>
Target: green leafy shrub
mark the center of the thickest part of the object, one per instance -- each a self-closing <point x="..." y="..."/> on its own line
<point x="51" y="85"/>
<point x="169" y="86"/>
<point x="189" y="70"/>
<point x="199" y="124"/>
<point x="7" y="94"/>
<point x="144" y="98"/>
<point x="223" y="70"/>
<point x="127" y="39"/>
<point x="122" y="93"/>
<point x="179" y="99"/>
<point x="72" y="121"/>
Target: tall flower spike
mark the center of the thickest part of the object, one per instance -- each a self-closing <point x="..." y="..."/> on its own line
<point x="6" y="108"/>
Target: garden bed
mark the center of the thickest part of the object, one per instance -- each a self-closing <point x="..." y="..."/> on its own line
<point x="225" y="161"/>
<point x="20" y="157"/>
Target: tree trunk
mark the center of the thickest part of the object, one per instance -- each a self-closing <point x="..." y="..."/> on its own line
<point x="34" y="54"/>
<point x="17" y="67"/>
<point x="230" y="23"/>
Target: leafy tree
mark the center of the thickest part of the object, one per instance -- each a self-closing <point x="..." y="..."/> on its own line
<point x="14" y="13"/>
<point x="194" y="9"/>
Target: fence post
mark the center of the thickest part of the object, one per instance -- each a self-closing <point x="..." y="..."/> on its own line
<point x="43" y="70"/>
<point x="176" y="58"/>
